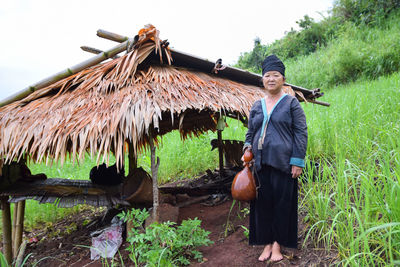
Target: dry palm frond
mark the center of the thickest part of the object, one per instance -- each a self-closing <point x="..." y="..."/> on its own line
<point x="100" y="108"/>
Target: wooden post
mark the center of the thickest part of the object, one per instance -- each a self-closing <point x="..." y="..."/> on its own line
<point x="7" y="246"/>
<point x="19" y="227"/>
<point x="221" y="154"/>
<point x="132" y="158"/>
<point x="154" y="171"/>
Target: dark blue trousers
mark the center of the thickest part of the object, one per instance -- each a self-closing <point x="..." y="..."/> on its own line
<point x="273" y="215"/>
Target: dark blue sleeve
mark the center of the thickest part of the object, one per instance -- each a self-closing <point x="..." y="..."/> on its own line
<point x="250" y="132"/>
<point x="299" y="127"/>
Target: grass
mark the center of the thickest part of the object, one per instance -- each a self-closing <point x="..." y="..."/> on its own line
<point x="353" y="203"/>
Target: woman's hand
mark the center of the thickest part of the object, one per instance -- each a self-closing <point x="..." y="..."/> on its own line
<point x="242" y="158"/>
<point x="296" y="171"/>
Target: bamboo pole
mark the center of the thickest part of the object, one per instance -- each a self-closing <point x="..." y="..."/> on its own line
<point x="7" y="246"/>
<point x="221" y="154"/>
<point x="154" y="171"/>
<point x="14" y="223"/>
<point x="19" y="227"/>
<point x="65" y="73"/>
<point x="21" y="252"/>
<point x="111" y="36"/>
<point x="94" y="51"/>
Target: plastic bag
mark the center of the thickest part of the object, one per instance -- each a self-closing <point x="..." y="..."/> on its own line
<point x="107" y="243"/>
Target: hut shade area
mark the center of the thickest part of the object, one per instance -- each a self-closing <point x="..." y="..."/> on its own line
<point x="127" y="99"/>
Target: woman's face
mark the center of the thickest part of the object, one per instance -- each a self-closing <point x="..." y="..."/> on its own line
<point x="273" y="81"/>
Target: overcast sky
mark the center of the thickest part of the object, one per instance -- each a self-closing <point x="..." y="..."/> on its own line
<point x="42" y="37"/>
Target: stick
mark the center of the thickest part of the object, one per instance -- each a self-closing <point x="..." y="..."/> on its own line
<point x="19" y="226"/>
<point x="21" y="253"/>
<point x="7" y="246"/>
<point x="65" y="73"/>
<point x="94" y="51"/>
<point x="154" y="171"/>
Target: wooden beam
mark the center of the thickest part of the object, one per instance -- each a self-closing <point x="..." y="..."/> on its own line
<point x="66" y="73"/>
<point x="7" y="245"/>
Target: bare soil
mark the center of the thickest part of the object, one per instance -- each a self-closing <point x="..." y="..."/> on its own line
<point x="67" y="242"/>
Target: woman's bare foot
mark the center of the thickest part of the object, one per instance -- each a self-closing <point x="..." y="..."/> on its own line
<point x="266" y="253"/>
<point x="276" y="252"/>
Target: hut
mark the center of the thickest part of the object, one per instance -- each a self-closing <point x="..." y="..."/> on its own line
<point x="96" y="107"/>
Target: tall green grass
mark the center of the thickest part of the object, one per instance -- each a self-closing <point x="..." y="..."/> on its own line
<point x="354" y="204"/>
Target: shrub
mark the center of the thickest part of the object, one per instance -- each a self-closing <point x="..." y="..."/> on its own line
<point x="164" y="244"/>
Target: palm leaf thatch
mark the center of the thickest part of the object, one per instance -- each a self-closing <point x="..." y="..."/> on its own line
<point x="126" y="99"/>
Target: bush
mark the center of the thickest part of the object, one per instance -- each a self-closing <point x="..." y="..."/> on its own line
<point x="358" y="52"/>
<point x="164" y="244"/>
<point x="365" y="12"/>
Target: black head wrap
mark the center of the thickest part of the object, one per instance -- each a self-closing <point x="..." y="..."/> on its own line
<point x="272" y="62"/>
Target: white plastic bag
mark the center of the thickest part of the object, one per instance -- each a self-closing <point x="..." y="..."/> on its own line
<point x="106" y="244"/>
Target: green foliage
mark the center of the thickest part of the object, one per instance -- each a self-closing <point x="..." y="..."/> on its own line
<point x="164" y="244"/>
<point x="358" y="52"/>
<point x="4" y="263"/>
<point x="352" y="55"/>
<point x="246" y="231"/>
<point x="353" y="205"/>
<point x="364" y="11"/>
<point x="308" y="39"/>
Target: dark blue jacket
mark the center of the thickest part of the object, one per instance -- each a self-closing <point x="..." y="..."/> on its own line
<point x="285" y="141"/>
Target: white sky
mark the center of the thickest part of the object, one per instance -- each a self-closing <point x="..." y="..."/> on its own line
<point x="42" y="37"/>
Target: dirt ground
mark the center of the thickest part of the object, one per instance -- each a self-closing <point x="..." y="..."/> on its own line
<point x="67" y="242"/>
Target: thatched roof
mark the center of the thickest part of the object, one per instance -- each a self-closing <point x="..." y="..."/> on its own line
<point x="99" y="108"/>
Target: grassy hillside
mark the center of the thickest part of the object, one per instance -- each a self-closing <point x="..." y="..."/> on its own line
<point x="358" y="52"/>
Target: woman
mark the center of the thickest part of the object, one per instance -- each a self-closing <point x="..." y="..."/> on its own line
<point x="277" y="136"/>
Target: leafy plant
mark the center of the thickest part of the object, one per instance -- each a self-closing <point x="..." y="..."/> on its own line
<point x="246" y="231"/>
<point x="164" y="244"/>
